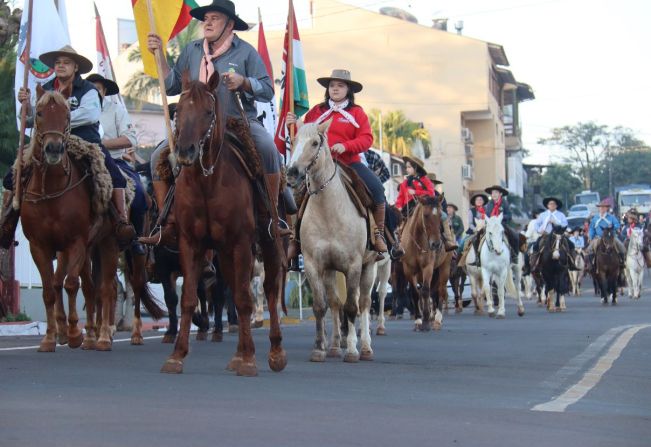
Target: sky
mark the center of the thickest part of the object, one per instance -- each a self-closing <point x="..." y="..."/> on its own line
<point x="586" y="60"/>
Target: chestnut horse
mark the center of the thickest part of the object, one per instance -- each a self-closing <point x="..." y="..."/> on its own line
<point x="214" y="203"/>
<point x="607" y="262"/>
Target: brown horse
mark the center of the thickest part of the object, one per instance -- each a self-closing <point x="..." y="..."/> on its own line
<point x="214" y="204"/>
<point x="425" y="254"/>
<point x="607" y="262"/>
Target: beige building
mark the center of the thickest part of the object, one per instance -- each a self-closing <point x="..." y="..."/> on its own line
<point x="457" y="86"/>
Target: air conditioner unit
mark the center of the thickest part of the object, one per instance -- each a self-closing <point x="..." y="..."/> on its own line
<point x="466" y="135"/>
<point x="467" y="172"/>
<point x="470" y="149"/>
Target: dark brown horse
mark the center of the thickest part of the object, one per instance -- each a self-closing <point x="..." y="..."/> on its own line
<point x="214" y="204"/>
<point x="607" y="265"/>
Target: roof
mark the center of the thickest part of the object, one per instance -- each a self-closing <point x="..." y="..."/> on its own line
<point x="138" y="106"/>
<point x="525" y="92"/>
<point x="497" y="54"/>
<point x="506" y="77"/>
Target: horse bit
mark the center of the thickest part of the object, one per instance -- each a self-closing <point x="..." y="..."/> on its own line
<point x="311" y="165"/>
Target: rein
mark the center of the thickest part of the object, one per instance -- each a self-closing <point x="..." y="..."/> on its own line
<point x="311" y="165"/>
<point x="413" y="230"/>
<point x="208" y="136"/>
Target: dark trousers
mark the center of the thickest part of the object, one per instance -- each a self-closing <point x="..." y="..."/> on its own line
<point x="372" y="182"/>
<point x="139" y="203"/>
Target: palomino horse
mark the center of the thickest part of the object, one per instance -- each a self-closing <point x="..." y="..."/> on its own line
<point x="424" y="255"/>
<point x="381" y="275"/>
<point x="496" y="267"/>
<point x="214" y="204"/>
<point x="577" y="275"/>
<point x="635" y="264"/>
<point x="554" y="262"/>
<point x="334" y="239"/>
<point x="607" y="266"/>
<point x="474" y="272"/>
<point x="57" y="216"/>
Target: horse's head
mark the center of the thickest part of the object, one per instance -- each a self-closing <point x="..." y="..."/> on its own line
<point x="637" y="238"/>
<point x="310" y="151"/>
<point x="431" y="217"/>
<point x="558" y="229"/>
<point x="608" y="239"/>
<point x="196" y="117"/>
<point x="480" y="223"/>
<point x="495" y="234"/>
<point x="51" y="124"/>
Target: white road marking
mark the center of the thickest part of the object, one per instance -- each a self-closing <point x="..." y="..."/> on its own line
<point x="591" y="378"/>
<point x="21" y="348"/>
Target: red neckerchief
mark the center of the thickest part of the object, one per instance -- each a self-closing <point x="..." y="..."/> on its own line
<point x="496" y="207"/>
<point x="630" y="229"/>
<point x="481" y="211"/>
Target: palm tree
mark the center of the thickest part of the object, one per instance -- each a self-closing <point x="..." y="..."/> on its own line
<point x="399" y="134"/>
<point x="144" y="87"/>
<point x="9" y="24"/>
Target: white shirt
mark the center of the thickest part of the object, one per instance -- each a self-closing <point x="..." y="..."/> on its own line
<point x="547" y="218"/>
<point x="532" y="234"/>
<point x="116" y="123"/>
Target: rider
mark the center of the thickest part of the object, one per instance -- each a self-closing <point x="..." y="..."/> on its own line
<point x="241" y="70"/>
<point x="545" y="223"/>
<point x="85" y="111"/>
<point x="632" y="222"/>
<point x="577" y="239"/>
<point x="456" y="223"/>
<point x="119" y="136"/>
<point x="348" y="136"/>
<point x="599" y="222"/>
<point x="476" y="213"/>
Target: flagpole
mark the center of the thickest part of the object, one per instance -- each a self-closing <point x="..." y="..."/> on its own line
<point x="23" y="109"/>
<point x="161" y="82"/>
<point x="289" y="68"/>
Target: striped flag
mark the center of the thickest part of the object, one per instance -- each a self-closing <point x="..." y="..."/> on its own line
<point x="294" y="85"/>
<point x="171" y="17"/>
<point x="104" y="66"/>
<point x="266" y="110"/>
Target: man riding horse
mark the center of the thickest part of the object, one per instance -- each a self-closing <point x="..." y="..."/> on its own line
<point x="244" y="81"/>
<point x="598" y="224"/>
<point x="85" y="110"/>
<point x="545" y="223"/>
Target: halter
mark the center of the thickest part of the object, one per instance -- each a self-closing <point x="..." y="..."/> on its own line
<point x="311" y="165"/>
<point x="207" y="137"/>
<point x="413" y="228"/>
<point x="489" y="242"/>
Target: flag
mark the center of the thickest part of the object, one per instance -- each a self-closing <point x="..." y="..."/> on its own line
<point x="48" y="34"/>
<point x="63" y="15"/>
<point x="170" y="16"/>
<point x="104" y="66"/>
<point x="266" y="110"/>
<point x="296" y="68"/>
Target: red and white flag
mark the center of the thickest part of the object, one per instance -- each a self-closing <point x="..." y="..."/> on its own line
<point x="267" y="113"/>
<point x="104" y="66"/>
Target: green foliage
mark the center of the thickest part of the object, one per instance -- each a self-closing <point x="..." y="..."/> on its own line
<point x="9" y="23"/>
<point x="560" y="181"/>
<point x="20" y="316"/>
<point x="627" y="166"/>
<point x="398" y="133"/>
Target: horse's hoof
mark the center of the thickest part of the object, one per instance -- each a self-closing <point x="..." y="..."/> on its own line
<point x="257" y="324"/>
<point x="540" y="304"/>
<point x="392" y="318"/>
<point x="217" y="337"/>
<point x="318" y="356"/>
<point x="604" y="302"/>
<point x="62" y="339"/>
<point x="491" y="314"/>
<point x="47" y="346"/>
<point x="172" y="366"/>
<point x="436" y="326"/>
<point x="613" y="303"/>
<point x="380" y="331"/>
<point x="500" y="316"/>
<point x="137" y="340"/>
<point x="74" y="341"/>
<point x="458" y="310"/>
<point x="562" y="309"/>
<point x="351" y="357"/>
<point x="277" y="360"/>
<point x="479" y="312"/>
<point x="89" y="344"/>
<point x="335" y="352"/>
<point x="169" y="338"/>
<point x="235" y="363"/>
<point x="521" y="312"/>
<point x="202" y="336"/>
<point x="104" y="345"/>
<point x="233" y="328"/>
<point x="247" y="369"/>
<point x="366" y="356"/>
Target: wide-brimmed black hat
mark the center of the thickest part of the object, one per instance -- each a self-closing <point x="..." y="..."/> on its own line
<point x="417" y="163"/>
<point x="432" y="177"/>
<point x="110" y="86"/>
<point x="225" y="7"/>
<point x="50" y="57"/>
<point x="340" y="74"/>
<point x="456" y="208"/>
<point x="559" y="203"/>
<point x="490" y="189"/>
<point x="479" y="194"/>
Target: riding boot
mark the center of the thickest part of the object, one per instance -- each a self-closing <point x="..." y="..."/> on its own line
<point x="396" y="251"/>
<point x="9" y="220"/>
<point x="378" y="238"/>
<point x="448" y="238"/>
<point x="167" y="233"/>
<point x="272" y="183"/>
<point x="123" y="229"/>
<point x="475" y="245"/>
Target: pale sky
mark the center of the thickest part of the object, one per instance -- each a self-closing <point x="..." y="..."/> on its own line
<point x="585" y="59"/>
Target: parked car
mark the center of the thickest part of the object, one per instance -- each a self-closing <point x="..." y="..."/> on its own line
<point x="575" y="222"/>
<point x="579" y="210"/>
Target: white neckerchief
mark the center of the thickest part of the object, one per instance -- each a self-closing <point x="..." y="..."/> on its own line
<point x="334" y="107"/>
<point x="604" y="218"/>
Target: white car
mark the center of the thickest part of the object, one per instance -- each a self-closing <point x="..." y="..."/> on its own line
<point x="582" y="211"/>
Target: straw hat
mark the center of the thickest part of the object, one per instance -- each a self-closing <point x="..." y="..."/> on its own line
<point x="417" y="163"/>
<point x="51" y="56"/>
<point x="340" y="74"/>
<point x="432" y="177"/>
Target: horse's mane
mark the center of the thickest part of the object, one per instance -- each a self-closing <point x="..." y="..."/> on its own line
<point x="53" y="95"/>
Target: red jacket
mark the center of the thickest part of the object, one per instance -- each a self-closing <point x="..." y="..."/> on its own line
<point x="424" y="189"/>
<point x="342" y="131"/>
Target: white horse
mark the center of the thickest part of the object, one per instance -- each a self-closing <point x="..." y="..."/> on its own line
<point x="495" y="258"/>
<point x="257" y="291"/>
<point x="381" y="274"/>
<point x="577" y="275"/>
<point x="333" y="239"/>
<point x="635" y="264"/>
<point x="474" y="273"/>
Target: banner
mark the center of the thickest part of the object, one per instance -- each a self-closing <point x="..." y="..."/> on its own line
<point x="266" y="110"/>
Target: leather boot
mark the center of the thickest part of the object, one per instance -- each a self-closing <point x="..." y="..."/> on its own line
<point x="448" y="239"/>
<point x="167" y="234"/>
<point x="378" y="237"/>
<point x="9" y="220"/>
<point x="123" y="229"/>
<point x="273" y="190"/>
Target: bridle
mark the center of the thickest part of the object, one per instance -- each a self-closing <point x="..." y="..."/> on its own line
<point x="489" y="241"/>
<point x="208" y="135"/>
<point x="311" y="165"/>
<point x="413" y="231"/>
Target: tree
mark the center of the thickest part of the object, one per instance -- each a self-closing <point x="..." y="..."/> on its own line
<point x="399" y="133"/>
<point x="9" y="25"/>
<point x="560" y="181"/>
<point x="626" y="167"/>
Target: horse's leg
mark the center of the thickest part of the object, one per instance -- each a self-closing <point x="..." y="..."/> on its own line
<point x="318" y="307"/>
<point x="76" y="261"/>
<point x="59" y="308"/>
<point x="190" y="259"/>
<point x="258" y="291"/>
<point x="43" y="260"/>
<point x="201" y="318"/>
<point x="273" y="280"/>
<point x="365" y="286"/>
<point x="516" y="271"/>
<point x="219" y="299"/>
<point x="108" y="260"/>
<point x="351" y="308"/>
<point x="442" y="275"/>
<point x="383" y="273"/>
<point x="171" y="302"/>
<point x="486" y="282"/>
<point x="501" y="287"/>
<point x="414" y="291"/>
<point x="135" y="283"/>
<point x="89" y="290"/>
<point x="334" y="303"/>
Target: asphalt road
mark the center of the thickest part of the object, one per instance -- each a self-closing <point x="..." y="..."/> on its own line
<point x="475" y="383"/>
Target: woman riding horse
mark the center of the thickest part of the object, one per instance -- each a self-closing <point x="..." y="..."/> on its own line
<point x="85" y="110"/>
<point x="244" y="80"/>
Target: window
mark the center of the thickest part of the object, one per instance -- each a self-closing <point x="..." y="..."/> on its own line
<point x="396" y="169"/>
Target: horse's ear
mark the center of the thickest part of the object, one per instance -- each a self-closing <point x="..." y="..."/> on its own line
<point x="185" y="79"/>
<point x="323" y="127"/>
<point x="40" y="91"/>
<point x="213" y="82"/>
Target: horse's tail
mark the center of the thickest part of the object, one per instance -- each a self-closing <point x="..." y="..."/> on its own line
<point x="510" y="285"/>
<point x="145" y="297"/>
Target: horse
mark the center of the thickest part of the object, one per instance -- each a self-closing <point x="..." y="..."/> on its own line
<point x="607" y="266"/>
<point x="214" y="203"/>
<point x="334" y="238"/>
<point x="474" y="272"/>
<point x="577" y="275"/>
<point x="496" y="269"/>
<point x="457" y="281"/>
<point x="635" y="264"/>
<point x="424" y="254"/>
<point x="381" y="277"/>
<point x="400" y="292"/>
<point x="554" y="262"/>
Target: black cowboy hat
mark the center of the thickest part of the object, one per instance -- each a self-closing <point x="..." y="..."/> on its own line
<point x="479" y="194"/>
<point x="110" y="86"/>
<point x="432" y="177"/>
<point x="341" y="75"/>
<point x="225" y="7"/>
<point x="498" y="188"/>
<point x="559" y="203"/>
<point x="456" y="208"/>
<point x="417" y="163"/>
<point x="50" y="57"/>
